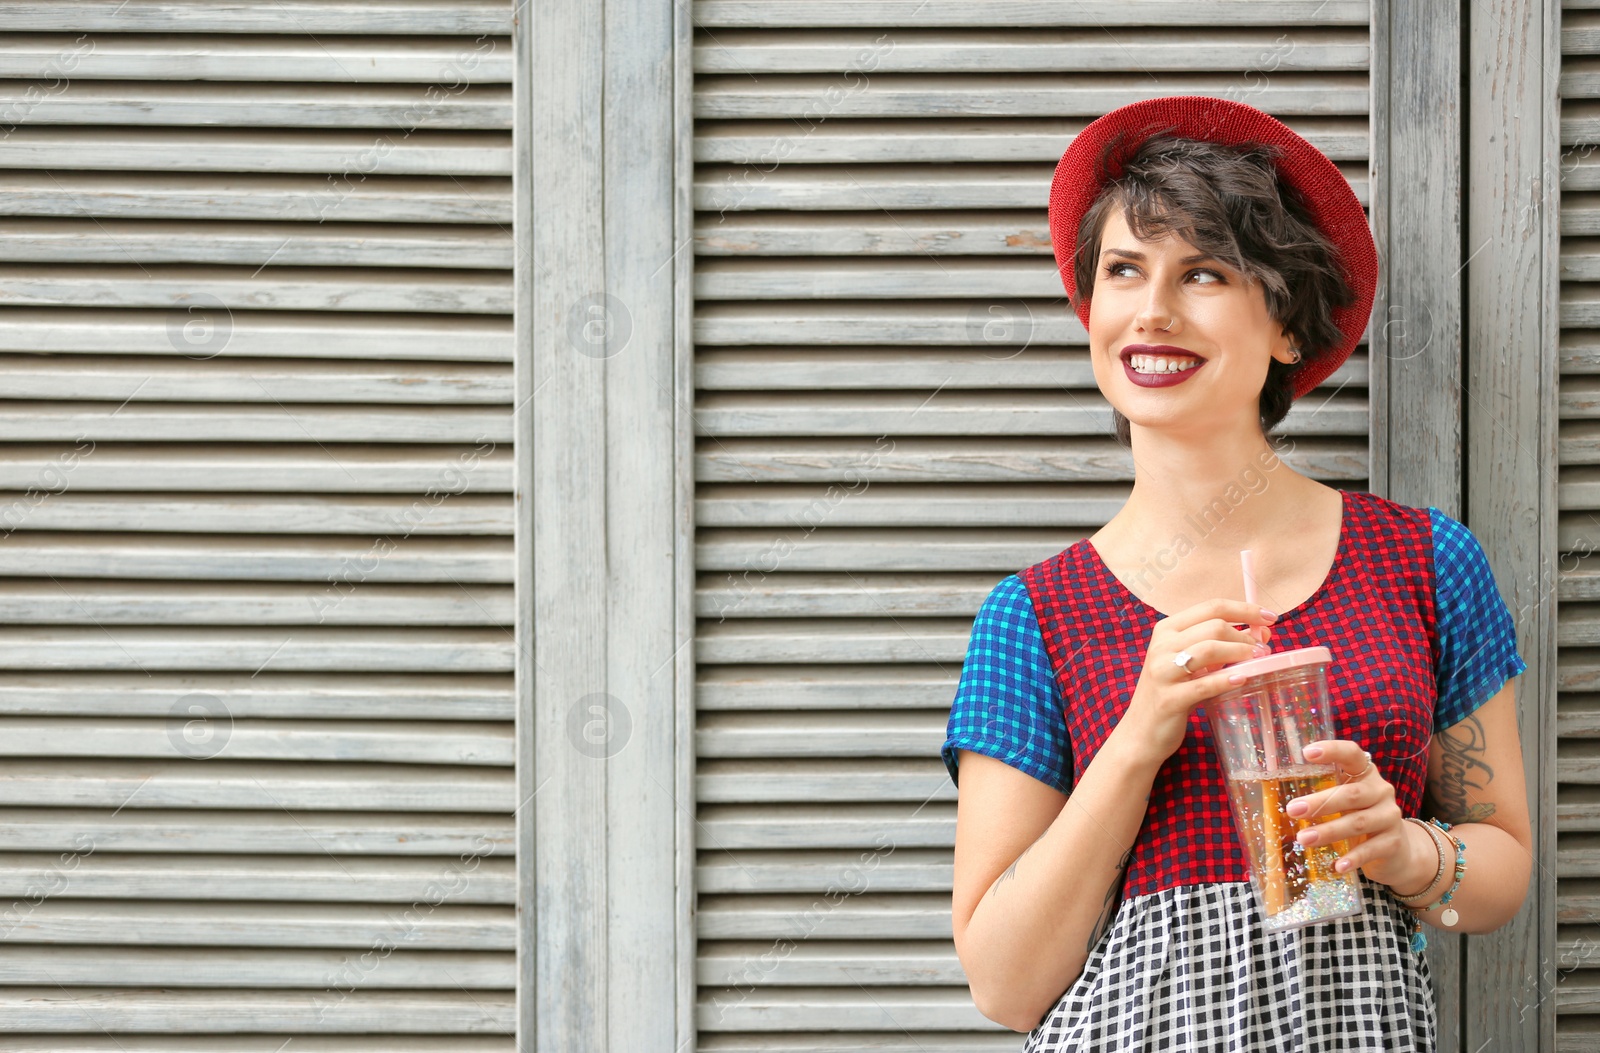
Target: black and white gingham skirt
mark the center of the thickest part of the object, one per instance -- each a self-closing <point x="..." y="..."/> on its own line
<point x="1191" y="968"/>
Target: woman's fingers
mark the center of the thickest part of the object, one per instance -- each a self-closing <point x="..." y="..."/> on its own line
<point x="1211" y="655"/>
<point x="1230" y="611"/>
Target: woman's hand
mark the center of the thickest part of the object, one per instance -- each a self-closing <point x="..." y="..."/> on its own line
<point x="1368" y="819"/>
<point x="1166" y="694"/>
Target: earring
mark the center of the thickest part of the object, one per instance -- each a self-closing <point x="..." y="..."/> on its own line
<point x="1294" y="353"/>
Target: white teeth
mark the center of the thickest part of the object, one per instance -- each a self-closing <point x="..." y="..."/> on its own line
<point x="1153" y="364"/>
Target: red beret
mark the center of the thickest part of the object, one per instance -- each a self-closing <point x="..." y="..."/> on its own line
<point x="1085" y="169"/>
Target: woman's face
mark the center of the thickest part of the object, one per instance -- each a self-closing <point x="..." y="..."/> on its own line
<point x="1179" y="340"/>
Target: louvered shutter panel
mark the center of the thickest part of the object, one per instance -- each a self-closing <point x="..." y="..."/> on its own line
<point x="255" y="351"/>
<point x="1577" y="627"/>
<point x="894" y="409"/>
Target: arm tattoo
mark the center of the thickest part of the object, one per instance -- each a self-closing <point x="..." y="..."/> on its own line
<point x="1463" y="770"/>
<point x="1109" y="906"/>
<point x="1011" y="871"/>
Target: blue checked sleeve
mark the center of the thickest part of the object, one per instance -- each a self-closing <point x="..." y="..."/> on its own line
<point x="1477" y="639"/>
<point x="1007" y="705"/>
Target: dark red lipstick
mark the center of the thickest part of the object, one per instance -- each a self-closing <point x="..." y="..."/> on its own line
<point x="1167" y="351"/>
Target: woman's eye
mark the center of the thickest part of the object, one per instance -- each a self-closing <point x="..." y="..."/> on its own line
<point x="1113" y="268"/>
<point x="1213" y="274"/>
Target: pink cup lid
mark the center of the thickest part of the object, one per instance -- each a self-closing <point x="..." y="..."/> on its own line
<point x="1274" y="663"/>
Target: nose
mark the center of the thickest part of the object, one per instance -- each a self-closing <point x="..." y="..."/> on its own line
<point x="1156" y="312"/>
<point x="1155" y="315"/>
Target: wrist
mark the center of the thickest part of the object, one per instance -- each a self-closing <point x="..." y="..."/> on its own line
<point x="1134" y="749"/>
<point x="1422" y="867"/>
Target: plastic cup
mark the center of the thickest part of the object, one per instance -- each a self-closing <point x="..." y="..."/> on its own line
<point x="1260" y="727"/>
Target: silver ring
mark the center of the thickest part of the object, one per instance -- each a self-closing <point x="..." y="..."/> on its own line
<point x="1362" y="773"/>
<point x="1182" y="660"/>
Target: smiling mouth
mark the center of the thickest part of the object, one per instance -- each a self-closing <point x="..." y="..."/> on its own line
<point x="1155" y="360"/>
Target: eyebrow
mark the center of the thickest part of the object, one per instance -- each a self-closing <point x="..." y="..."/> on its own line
<point x="1129" y="254"/>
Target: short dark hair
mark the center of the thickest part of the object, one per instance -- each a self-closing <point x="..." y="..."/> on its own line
<point x="1227" y="201"/>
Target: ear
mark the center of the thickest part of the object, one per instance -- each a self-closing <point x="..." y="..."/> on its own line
<point x="1283" y="347"/>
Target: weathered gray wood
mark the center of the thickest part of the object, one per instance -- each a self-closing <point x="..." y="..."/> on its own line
<point x="896" y="279"/>
<point x="59" y="241"/>
<point x="295" y="467"/>
<point x="977" y="459"/>
<point x="285" y="334"/>
<point x="127" y="1042"/>
<point x="391" y="742"/>
<point x="860" y="733"/>
<point x="1417" y="322"/>
<point x="1089" y="13"/>
<point x="255" y="968"/>
<point x="525" y="681"/>
<point x="290" y="648"/>
<point x="994" y="139"/>
<point x="731" y="827"/>
<point x="993" y="1038"/>
<point x="828" y="368"/>
<point x="44" y="602"/>
<point x="261" y="150"/>
<point x="799" y="640"/>
<point x="46" y="1009"/>
<point x="268" y="694"/>
<point x="834" y="963"/>
<point x="1580" y="170"/>
<point x="248" y="196"/>
<point x="743" y="234"/>
<point x="853" y="1008"/>
<point x="746" y="552"/>
<point x="1014" y="95"/>
<point x="779" y="687"/>
<point x="447" y="926"/>
<point x="264" y="514"/>
<point x="262" y="105"/>
<point x="176" y="781"/>
<point x="907" y="505"/>
<point x="270" y="832"/>
<point x="98" y="422"/>
<point x="279" y="288"/>
<point x="1016" y="324"/>
<point x="648" y="970"/>
<point x="1580" y="33"/>
<point x="1533" y="376"/>
<point x="86" y="377"/>
<point x="317" y="877"/>
<point x="963" y="413"/>
<point x="319" y="562"/>
<point x="191" y="56"/>
<point x="818" y="781"/>
<point x="571" y="327"/>
<point x="906" y="870"/>
<point x="841" y="595"/>
<point x="999" y="50"/>
<point x="730" y="189"/>
<point x="458" y="17"/>
<point x="864" y="915"/>
<point x="687" y="692"/>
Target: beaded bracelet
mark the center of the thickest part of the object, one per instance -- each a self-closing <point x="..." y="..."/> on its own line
<point x="1438" y="846"/>
<point x="1448" y="916"/>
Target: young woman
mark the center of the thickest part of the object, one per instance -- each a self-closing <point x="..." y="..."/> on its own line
<point x="1223" y="268"/>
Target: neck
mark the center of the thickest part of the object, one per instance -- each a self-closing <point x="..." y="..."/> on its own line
<point x="1223" y="492"/>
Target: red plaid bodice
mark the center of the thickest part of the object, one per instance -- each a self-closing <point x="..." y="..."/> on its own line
<point x="1375" y="612"/>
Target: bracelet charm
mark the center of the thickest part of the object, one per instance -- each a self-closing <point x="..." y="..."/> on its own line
<point x="1449" y="916"/>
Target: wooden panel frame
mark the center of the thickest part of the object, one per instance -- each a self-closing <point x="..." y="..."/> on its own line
<point x="1512" y="321"/>
<point x="1415" y="331"/>
<point x="605" y="506"/>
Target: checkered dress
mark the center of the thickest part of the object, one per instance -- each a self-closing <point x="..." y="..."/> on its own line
<point x="1420" y="638"/>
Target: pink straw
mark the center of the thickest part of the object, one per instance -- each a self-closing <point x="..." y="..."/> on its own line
<point x="1247" y="563"/>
